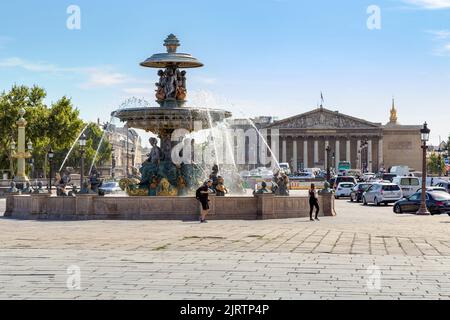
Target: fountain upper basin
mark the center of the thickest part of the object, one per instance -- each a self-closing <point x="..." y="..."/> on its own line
<point x="190" y="119"/>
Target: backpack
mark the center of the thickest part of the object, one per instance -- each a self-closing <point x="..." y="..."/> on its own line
<point x="197" y="193"/>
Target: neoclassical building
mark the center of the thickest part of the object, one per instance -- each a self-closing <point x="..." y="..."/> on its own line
<point x="303" y="140"/>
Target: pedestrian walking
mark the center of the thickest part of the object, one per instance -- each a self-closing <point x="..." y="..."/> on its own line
<point x="313" y="202"/>
<point x="202" y="195"/>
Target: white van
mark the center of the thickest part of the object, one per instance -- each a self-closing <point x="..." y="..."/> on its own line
<point x="401" y="171"/>
<point x="409" y="185"/>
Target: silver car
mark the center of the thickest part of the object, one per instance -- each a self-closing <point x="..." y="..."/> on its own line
<point x="109" y="188"/>
<point x="380" y="193"/>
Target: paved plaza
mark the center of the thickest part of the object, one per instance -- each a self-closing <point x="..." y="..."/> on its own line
<point x="362" y="253"/>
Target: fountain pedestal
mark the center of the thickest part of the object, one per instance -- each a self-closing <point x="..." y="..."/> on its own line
<point x="164" y="121"/>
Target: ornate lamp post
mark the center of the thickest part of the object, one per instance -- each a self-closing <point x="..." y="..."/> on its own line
<point x="82" y="143"/>
<point x="50" y="155"/>
<point x="13" y="151"/>
<point x="363" y="147"/>
<point x="425" y="135"/>
<point x="328" y="149"/>
<point x="132" y="157"/>
<point x="21" y="154"/>
<point x="439" y="161"/>
<point x="113" y="163"/>
<point x="333" y="159"/>
<point x="30" y="150"/>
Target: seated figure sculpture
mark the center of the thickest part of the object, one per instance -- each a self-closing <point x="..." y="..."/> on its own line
<point x="39" y="189"/>
<point x="263" y="189"/>
<point x="220" y="187"/>
<point x="12" y="188"/>
<point x="151" y="166"/>
<point x="165" y="189"/>
<point x="27" y="189"/>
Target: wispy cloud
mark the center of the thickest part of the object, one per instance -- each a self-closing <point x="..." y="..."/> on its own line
<point x="204" y="80"/>
<point x="442" y="51"/>
<point x="429" y="4"/>
<point x="441" y="37"/>
<point x="95" y="77"/>
<point x="440" y="34"/>
<point x="15" y="62"/>
<point x="99" y="77"/>
<point x="138" y="91"/>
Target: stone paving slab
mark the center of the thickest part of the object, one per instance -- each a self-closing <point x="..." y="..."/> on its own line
<point x="111" y="275"/>
<point x="362" y="253"/>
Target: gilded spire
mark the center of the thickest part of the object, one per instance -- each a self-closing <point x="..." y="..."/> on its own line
<point x="393" y="118"/>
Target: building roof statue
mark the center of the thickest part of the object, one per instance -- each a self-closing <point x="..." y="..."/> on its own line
<point x="393" y="117"/>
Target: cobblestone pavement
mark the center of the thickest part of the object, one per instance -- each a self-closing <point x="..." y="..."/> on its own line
<point x="362" y="253"/>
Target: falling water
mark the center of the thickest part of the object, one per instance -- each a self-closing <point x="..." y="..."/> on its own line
<point x="265" y="142"/>
<point x="99" y="146"/>
<point x="211" y="133"/>
<point x="229" y="144"/>
<point x="73" y="145"/>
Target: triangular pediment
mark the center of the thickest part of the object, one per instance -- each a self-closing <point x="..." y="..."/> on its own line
<point x="322" y="118"/>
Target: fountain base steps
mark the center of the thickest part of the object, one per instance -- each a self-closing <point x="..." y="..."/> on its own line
<point x="92" y="207"/>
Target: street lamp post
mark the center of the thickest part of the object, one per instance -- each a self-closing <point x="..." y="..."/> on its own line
<point x="50" y="155"/>
<point x="363" y="147"/>
<point x="439" y="161"/>
<point x="30" y="150"/>
<point x="13" y="152"/>
<point x="132" y="157"/>
<point x="425" y="135"/>
<point x="113" y="163"/>
<point x="82" y="143"/>
<point x="328" y="149"/>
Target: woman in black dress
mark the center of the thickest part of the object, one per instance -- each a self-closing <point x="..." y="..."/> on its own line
<point x="313" y="202"/>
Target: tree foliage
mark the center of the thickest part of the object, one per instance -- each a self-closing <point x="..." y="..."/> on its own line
<point x="436" y="164"/>
<point x="56" y="126"/>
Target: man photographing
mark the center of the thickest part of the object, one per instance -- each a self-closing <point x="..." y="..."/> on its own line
<point x="202" y="195"/>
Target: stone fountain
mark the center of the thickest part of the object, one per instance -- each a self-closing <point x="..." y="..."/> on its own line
<point x="159" y="175"/>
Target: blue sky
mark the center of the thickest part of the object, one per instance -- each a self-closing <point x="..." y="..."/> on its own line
<point x="262" y="57"/>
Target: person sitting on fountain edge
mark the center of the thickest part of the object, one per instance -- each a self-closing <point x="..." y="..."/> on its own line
<point x="202" y="195"/>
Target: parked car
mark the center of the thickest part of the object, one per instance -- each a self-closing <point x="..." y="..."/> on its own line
<point x="409" y="185"/>
<point x="109" y="188"/>
<point x="368" y="176"/>
<point x="388" y="176"/>
<point x="358" y="190"/>
<point x="304" y="175"/>
<point x="336" y="180"/>
<point x="445" y="185"/>
<point x="380" y="193"/>
<point x="437" y="189"/>
<point x="437" y="203"/>
<point x="284" y="166"/>
<point x="344" y="189"/>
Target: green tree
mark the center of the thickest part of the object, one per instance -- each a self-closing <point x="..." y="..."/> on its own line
<point x="93" y="137"/>
<point x="436" y="164"/>
<point x="56" y="126"/>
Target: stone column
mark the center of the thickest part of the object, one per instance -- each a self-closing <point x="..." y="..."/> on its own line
<point x="337" y="153"/>
<point x="21" y="154"/>
<point x="294" y="155"/>
<point x="348" y="151"/>
<point x="316" y="152"/>
<point x="305" y="153"/>
<point x="369" y="156"/>
<point x="358" y="154"/>
<point x="284" y="151"/>
<point x="327" y="143"/>
<point x="380" y="154"/>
